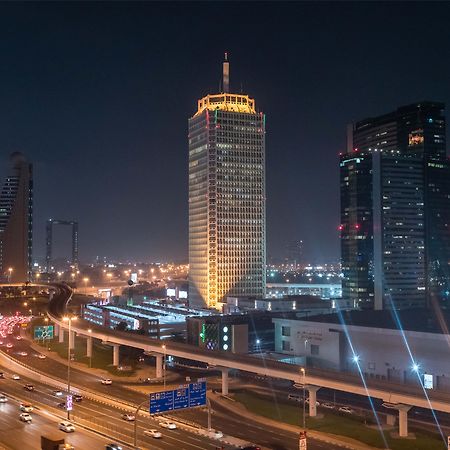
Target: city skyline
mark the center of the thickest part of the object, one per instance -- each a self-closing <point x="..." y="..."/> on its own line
<point x="108" y="125"/>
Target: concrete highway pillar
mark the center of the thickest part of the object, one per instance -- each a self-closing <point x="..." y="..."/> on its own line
<point x="56" y="329"/>
<point x="72" y="340"/>
<point x="403" y="420"/>
<point x="312" y="391"/>
<point x="61" y="335"/>
<point x="89" y="347"/>
<point x="116" y="355"/>
<point x="224" y="380"/>
<point x="159" y="366"/>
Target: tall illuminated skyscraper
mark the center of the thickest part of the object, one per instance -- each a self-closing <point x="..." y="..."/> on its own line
<point x="16" y="224"/>
<point x="227" y="207"/>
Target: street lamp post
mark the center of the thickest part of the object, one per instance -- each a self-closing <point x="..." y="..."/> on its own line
<point x="135" y="422"/>
<point x="10" y="271"/>
<point x="164" y="365"/>
<point x="68" y="319"/>
<point x="304" y="399"/>
<point x="90" y="353"/>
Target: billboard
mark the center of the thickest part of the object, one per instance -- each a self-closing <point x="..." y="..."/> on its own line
<point x="44" y="332"/>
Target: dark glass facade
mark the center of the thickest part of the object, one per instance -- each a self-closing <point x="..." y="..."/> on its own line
<point x="395" y="209"/>
<point x="16" y="222"/>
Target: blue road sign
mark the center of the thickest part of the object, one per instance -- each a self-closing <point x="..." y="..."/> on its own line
<point x="181" y="397"/>
<point x="161" y="402"/>
<point x="185" y="396"/>
<point x="44" y="332"/>
<point x="197" y="394"/>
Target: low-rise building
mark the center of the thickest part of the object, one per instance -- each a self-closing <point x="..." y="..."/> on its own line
<point x="393" y="345"/>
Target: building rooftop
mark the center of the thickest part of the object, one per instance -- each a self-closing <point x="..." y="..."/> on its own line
<point x="418" y="319"/>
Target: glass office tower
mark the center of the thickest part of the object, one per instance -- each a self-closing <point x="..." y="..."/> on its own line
<point x="16" y="221"/>
<point x="227" y="217"/>
<point x="395" y="209"/>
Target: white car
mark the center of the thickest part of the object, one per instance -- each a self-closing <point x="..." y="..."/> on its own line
<point x="346" y="410"/>
<point x="328" y="405"/>
<point x="167" y="424"/>
<point x="25" y="417"/>
<point x="57" y="393"/>
<point x="66" y="426"/>
<point x="19" y="338"/>
<point x="15" y="377"/>
<point x="153" y="433"/>
<point x="25" y="407"/>
<point x="106" y="381"/>
<point x="128" y="417"/>
<point x="41" y="356"/>
<point x="215" y="434"/>
<point x="3" y="398"/>
<point x="9" y="345"/>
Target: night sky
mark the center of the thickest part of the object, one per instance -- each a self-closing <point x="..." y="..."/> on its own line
<point x="97" y="95"/>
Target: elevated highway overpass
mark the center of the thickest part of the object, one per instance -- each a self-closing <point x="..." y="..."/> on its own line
<point x="401" y="396"/>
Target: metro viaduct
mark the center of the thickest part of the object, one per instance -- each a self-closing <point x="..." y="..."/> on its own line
<point x="401" y="397"/>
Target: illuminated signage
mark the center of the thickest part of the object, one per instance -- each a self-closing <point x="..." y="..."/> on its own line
<point x="69" y="403"/>
<point x="171" y="293"/>
<point x="428" y="381"/>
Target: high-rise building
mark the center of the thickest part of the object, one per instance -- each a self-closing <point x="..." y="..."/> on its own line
<point x="227" y="226"/>
<point x="395" y="209"/>
<point x="16" y="221"/>
<point x="294" y="253"/>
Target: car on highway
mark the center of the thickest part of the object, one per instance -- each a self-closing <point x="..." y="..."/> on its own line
<point x="16" y="377"/>
<point x="22" y="353"/>
<point x="1" y="342"/>
<point x="66" y="426"/>
<point x="9" y="345"/>
<point x="106" y="381"/>
<point x="57" y="393"/>
<point x="77" y="397"/>
<point x="153" y="433"/>
<point x="26" y="407"/>
<point x="113" y="446"/>
<point x="29" y="387"/>
<point x="2" y="375"/>
<point x="128" y="417"/>
<point x="346" y="410"/>
<point x="328" y="405"/>
<point x="3" y="398"/>
<point x="41" y="356"/>
<point x="167" y="424"/>
<point x="215" y="434"/>
<point x="251" y="447"/>
<point x="61" y="405"/>
<point x="295" y="397"/>
<point x="25" y="417"/>
<point x="19" y="338"/>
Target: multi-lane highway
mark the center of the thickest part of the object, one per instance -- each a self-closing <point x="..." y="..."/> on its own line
<point x="19" y="435"/>
<point x="101" y="417"/>
<point x="108" y="419"/>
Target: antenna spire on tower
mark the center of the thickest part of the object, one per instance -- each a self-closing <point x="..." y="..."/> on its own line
<point x="226" y="74"/>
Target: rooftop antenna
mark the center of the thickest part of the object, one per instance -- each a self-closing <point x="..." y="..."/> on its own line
<point x="226" y="74"/>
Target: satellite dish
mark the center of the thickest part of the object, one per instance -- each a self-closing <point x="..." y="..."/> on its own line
<point x="130" y="282"/>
